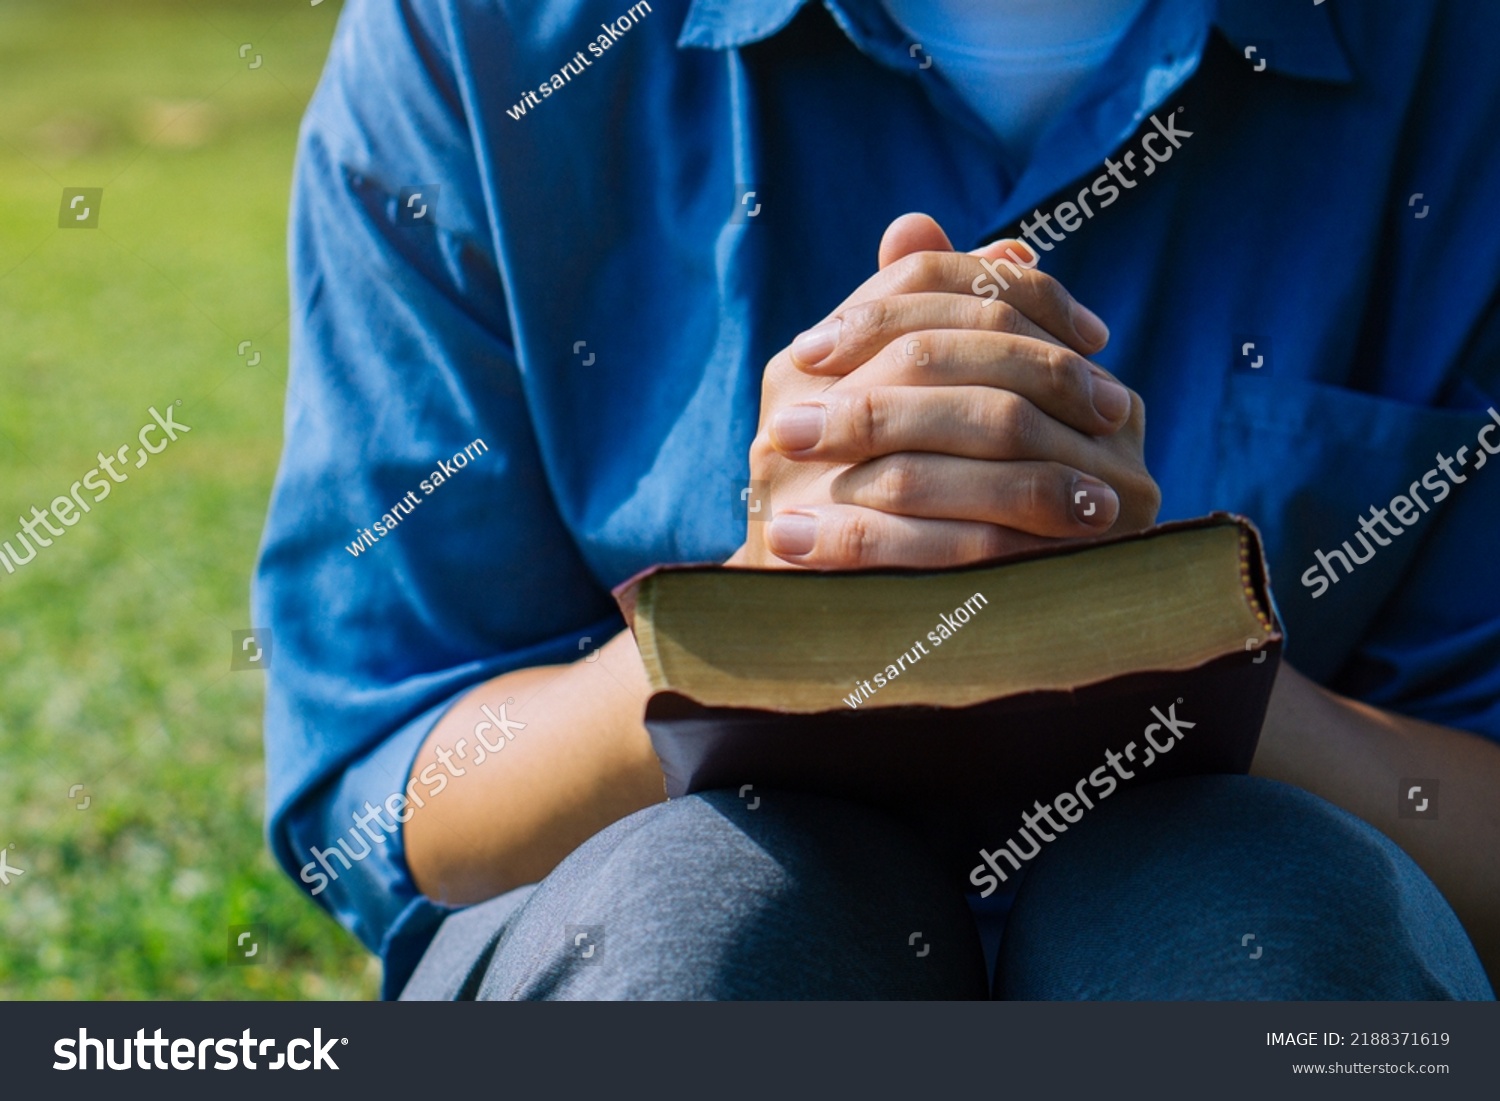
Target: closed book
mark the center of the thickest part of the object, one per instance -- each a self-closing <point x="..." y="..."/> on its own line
<point x="964" y="699"/>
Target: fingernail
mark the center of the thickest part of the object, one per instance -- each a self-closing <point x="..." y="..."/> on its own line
<point x="1094" y="503"/>
<point x="1087" y="325"/>
<point x="817" y="344"/>
<point x="798" y="427"/>
<point x="793" y="533"/>
<point x="1111" y="400"/>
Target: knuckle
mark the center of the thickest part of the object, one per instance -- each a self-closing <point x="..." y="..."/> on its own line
<point x="1038" y="496"/>
<point x="762" y="452"/>
<point x="1051" y="295"/>
<point x="854" y="542"/>
<point x="1008" y="418"/>
<point x="1067" y="374"/>
<point x="1151" y="496"/>
<point x="1140" y="498"/>
<point x="868" y="319"/>
<point x="898" y="484"/>
<point x="916" y="352"/>
<point x="989" y="542"/>
<point x="868" y="416"/>
<point x="1002" y="317"/>
<point x="917" y="272"/>
<point x="777" y="373"/>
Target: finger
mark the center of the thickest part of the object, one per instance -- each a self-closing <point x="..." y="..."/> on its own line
<point x="1007" y="255"/>
<point x="846" y="537"/>
<point x="912" y="233"/>
<point x="1057" y="381"/>
<point x="1044" y="499"/>
<point x="842" y="344"/>
<point x="974" y="422"/>
<point x="1035" y="294"/>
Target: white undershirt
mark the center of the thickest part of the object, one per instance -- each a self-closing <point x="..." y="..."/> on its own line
<point x="1016" y="63"/>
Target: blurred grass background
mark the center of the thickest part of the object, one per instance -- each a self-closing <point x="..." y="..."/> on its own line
<point x="115" y="641"/>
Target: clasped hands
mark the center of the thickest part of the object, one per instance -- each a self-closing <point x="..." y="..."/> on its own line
<point x="921" y="424"/>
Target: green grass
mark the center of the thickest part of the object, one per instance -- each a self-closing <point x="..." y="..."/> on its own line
<point x="115" y="641"/>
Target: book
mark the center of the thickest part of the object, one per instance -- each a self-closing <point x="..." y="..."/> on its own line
<point x="965" y="700"/>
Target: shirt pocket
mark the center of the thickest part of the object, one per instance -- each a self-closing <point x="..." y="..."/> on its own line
<point x="1306" y="461"/>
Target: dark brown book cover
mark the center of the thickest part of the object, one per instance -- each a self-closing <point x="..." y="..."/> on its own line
<point x="964" y="776"/>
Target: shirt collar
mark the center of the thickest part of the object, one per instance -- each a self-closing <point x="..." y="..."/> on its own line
<point x="1294" y="38"/>
<point x="730" y="24"/>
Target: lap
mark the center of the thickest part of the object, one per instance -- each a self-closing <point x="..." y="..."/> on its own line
<point x="1229" y="887"/>
<point x="704" y="898"/>
<point x="1150" y="896"/>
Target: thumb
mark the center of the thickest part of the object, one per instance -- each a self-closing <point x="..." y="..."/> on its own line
<point x="912" y="233"/>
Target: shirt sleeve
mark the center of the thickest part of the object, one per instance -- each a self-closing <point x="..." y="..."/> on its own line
<point x="413" y="547"/>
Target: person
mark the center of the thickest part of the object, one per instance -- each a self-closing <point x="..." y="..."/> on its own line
<point x="590" y="287"/>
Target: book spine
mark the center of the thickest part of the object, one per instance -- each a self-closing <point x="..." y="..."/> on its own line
<point x="1252" y="570"/>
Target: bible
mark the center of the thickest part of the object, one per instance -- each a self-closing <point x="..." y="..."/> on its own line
<point x="965" y="700"/>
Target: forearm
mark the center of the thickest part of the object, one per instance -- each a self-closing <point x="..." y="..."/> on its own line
<point x="582" y="761"/>
<point x="1357" y="756"/>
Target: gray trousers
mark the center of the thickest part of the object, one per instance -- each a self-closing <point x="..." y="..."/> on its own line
<point x="1151" y="896"/>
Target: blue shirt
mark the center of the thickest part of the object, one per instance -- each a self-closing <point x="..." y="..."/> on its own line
<point x="1303" y="291"/>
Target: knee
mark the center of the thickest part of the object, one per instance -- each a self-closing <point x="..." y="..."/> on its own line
<point x="1233" y="886"/>
<point x="770" y="860"/>
<point x="778" y="840"/>
<point x="705" y="897"/>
